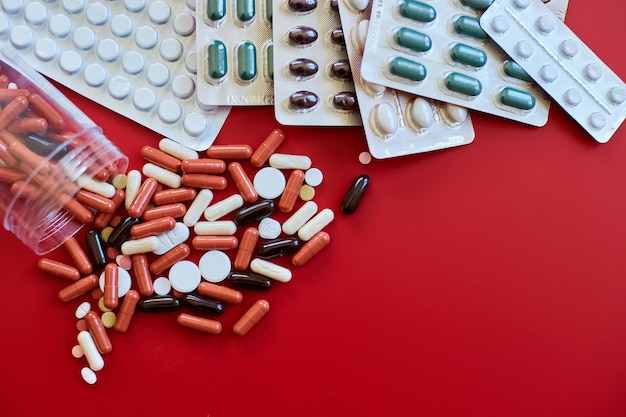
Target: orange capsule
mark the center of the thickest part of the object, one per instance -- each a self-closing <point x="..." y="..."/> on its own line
<point x="175" y="195"/>
<point x="142" y="275"/>
<point x="219" y="292"/>
<point x="111" y="279"/>
<point x="8" y="138"/>
<point x="177" y="253"/>
<point x="176" y="211"/>
<point x="101" y="175"/>
<point x="243" y="183"/>
<point x="199" y="323"/>
<point x="78" y="288"/>
<point x="8" y="94"/>
<point x="58" y="269"/>
<point x="10" y="175"/>
<point x="311" y="248"/>
<point x="126" y="311"/>
<point x="160" y="158"/>
<point x="28" y="125"/>
<point x="251" y="317"/>
<point x="6" y="157"/>
<point x="98" y="332"/>
<point x="141" y="200"/>
<point x="203" y="166"/>
<point x="78" y="255"/>
<point x="248" y="243"/>
<point x="101" y="220"/>
<point x="214" y="242"/>
<point x="80" y="212"/>
<point x="292" y="189"/>
<point x="229" y="151"/>
<point x="212" y="182"/>
<point x="95" y="201"/>
<point x="13" y="109"/>
<point x="153" y="227"/>
<point x="267" y="148"/>
<point x="45" y="110"/>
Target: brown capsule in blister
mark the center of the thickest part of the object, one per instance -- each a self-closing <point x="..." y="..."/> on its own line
<point x="345" y="101"/>
<point x="302" y="35"/>
<point x="250" y="281"/>
<point x="303" y="100"/>
<point x="341" y="69"/>
<point x="303" y="67"/>
<point x="355" y="193"/>
<point x="336" y="37"/>
<point x="334" y="7"/>
<point x="278" y="247"/>
<point x="302" y="6"/>
<point x="254" y="213"/>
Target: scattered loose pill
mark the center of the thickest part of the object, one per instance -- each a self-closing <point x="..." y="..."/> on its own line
<point x="82" y="309"/>
<point x="77" y="352"/>
<point x="270" y="270"/>
<point x="365" y="157"/>
<point x="269" y="182"/>
<point x="162" y="286"/>
<point x="184" y="276"/>
<point x="251" y="317"/>
<point x="307" y="193"/>
<point x="355" y="193"/>
<point x="215" y="266"/>
<point x="88" y="375"/>
<point x="108" y="319"/>
<point x="313" y="177"/>
<point x="123" y="282"/>
<point x="198" y="323"/>
<point x="269" y="228"/>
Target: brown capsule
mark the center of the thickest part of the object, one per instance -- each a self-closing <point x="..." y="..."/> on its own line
<point x="292" y="189"/>
<point x="267" y="148"/>
<point x="126" y="312"/>
<point x="345" y="101"/>
<point x="302" y="6"/>
<point x="212" y="182"/>
<point x="229" y="151"/>
<point x="243" y="183"/>
<point x="169" y="258"/>
<point x="341" y="69"/>
<point x="78" y="255"/>
<point x="203" y="166"/>
<point x="336" y="37"/>
<point x="246" y="248"/>
<point x="355" y="193"/>
<point x="176" y="210"/>
<point x="311" y="248"/>
<point x="219" y="292"/>
<point x="251" y="317"/>
<point x="78" y="288"/>
<point x="303" y="68"/>
<point x="174" y="195"/>
<point x="302" y="35"/>
<point x="303" y="100"/>
<point x="142" y="274"/>
<point x="58" y="269"/>
<point x="214" y="242"/>
<point x="98" y="332"/>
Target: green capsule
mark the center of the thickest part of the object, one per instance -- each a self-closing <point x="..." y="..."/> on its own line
<point x="480" y="5"/>
<point x="469" y="26"/>
<point x="408" y="69"/>
<point x="269" y="10"/>
<point x="463" y="84"/>
<point x="246" y="61"/>
<point x="517" y="98"/>
<point x="512" y="69"/>
<point x="217" y="63"/>
<point x="412" y="39"/>
<point x="468" y="55"/>
<point x="245" y="10"/>
<point x="269" y="57"/>
<point x="215" y="10"/>
<point x="418" y="11"/>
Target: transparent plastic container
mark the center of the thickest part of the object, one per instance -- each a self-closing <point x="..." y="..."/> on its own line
<point x="35" y="203"/>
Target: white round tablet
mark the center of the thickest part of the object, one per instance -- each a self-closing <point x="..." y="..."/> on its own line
<point x="133" y="62"/>
<point x="108" y="50"/>
<point x="191" y="61"/>
<point x="215" y="266"/>
<point x="184" y="24"/>
<point x="146" y="37"/>
<point x="162" y="286"/>
<point x="159" y="12"/>
<point x="144" y="99"/>
<point x="36" y="13"/>
<point x="313" y="177"/>
<point x="134" y="5"/>
<point x="84" y="38"/>
<point x="60" y="25"/>
<point x="46" y="49"/>
<point x="73" y="6"/>
<point x="70" y="61"/>
<point x="184" y="276"/>
<point x="121" y="25"/>
<point x="171" y="49"/>
<point x="158" y="74"/>
<point x="97" y="13"/>
<point x="170" y="111"/>
<point x="5" y="25"/>
<point x="21" y="37"/>
<point x="269" y="228"/>
<point x="195" y="124"/>
<point x="183" y="87"/>
<point x="119" y="87"/>
<point x="269" y="182"/>
<point x="95" y="75"/>
<point x="123" y="282"/>
<point x="12" y="6"/>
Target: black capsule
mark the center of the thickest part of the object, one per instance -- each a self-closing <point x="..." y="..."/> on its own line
<point x="302" y="35"/>
<point x="345" y="101"/>
<point x="121" y="233"/>
<point x="303" y="100"/>
<point x="336" y="37"/>
<point x="354" y="195"/>
<point x="203" y="305"/>
<point x="45" y="146"/>
<point x="303" y="67"/>
<point x="341" y="69"/>
<point x="254" y="213"/>
<point x="96" y="250"/>
<point x="302" y="6"/>
<point x="250" y="281"/>
<point x="334" y="7"/>
<point x="159" y="303"/>
<point x="278" y="247"/>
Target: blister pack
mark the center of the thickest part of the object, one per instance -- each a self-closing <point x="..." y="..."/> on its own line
<point x="437" y="49"/>
<point x="135" y="57"/>
<point x="312" y="78"/>
<point x="398" y="123"/>
<point x="559" y="62"/>
<point x="234" y="43"/>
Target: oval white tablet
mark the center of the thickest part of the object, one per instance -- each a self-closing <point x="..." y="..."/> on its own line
<point x="184" y="276"/>
<point x="174" y="237"/>
<point x="269" y="182"/>
<point x="383" y="120"/>
<point x="82" y="310"/>
<point x="215" y="266"/>
<point x="88" y="375"/>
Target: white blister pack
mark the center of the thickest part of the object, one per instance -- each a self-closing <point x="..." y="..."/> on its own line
<point x="398" y="123"/>
<point x="135" y="57"/>
<point x="312" y="79"/>
<point x="437" y="49"/>
<point x="559" y="62"/>
<point x="234" y="43"/>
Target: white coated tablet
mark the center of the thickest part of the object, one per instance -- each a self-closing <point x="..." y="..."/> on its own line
<point x="184" y="276"/>
<point x="215" y="266"/>
<point x="269" y="182"/>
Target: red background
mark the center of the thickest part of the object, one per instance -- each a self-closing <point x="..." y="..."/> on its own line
<point x="486" y="280"/>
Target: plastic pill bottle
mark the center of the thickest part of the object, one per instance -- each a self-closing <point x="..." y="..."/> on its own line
<point x="41" y="171"/>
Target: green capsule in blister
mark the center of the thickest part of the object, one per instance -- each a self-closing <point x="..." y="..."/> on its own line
<point x="407" y="69"/>
<point x="269" y="60"/>
<point x="468" y="55"/>
<point x="463" y="84"/>
<point x="217" y="62"/>
<point x="215" y="10"/>
<point x="418" y="11"/>
<point x="469" y="26"/>
<point x="517" y="98"/>
<point x="480" y="5"/>
<point x="269" y="10"/>
<point x="246" y="61"/>
<point x="412" y="39"/>
<point x="513" y="69"/>
<point x="245" y="10"/>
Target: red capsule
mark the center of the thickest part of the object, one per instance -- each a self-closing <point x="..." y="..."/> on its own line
<point x="160" y="158"/>
<point x="243" y="183"/>
<point x="246" y="249"/>
<point x="13" y="109"/>
<point x="153" y="227"/>
<point x="251" y="317"/>
<point x="177" y="253"/>
<point x="8" y="94"/>
<point x="292" y="189"/>
<point x="28" y="125"/>
<point x="175" y="195"/>
<point x="212" y="182"/>
<point x="219" y="292"/>
<point x="101" y="220"/>
<point x="142" y="198"/>
<point x="45" y="110"/>
<point x="176" y="211"/>
<point x="199" y="323"/>
<point x="311" y="248"/>
<point x="95" y="201"/>
<point x="267" y="148"/>
<point x="229" y="151"/>
<point x="98" y="332"/>
<point x="126" y="312"/>
<point x="78" y="288"/>
<point x="78" y="255"/>
<point x="10" y="175"/>
<point x="203" y="166"/>
<point x="58" y="269"/>
<point x="80" y="212"/>
<point x="111" y="279"/>
<point x="214" y="242"/>
<point x="142" y="274"/>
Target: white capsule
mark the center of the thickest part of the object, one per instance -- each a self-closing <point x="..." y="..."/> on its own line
<point x="270" y="270"/>
<point x="222" y="208"/>
<point x="133" y="183"/>
<point x="99" y="187"/>
<point x="316" y="224"/>
<point x="162" y="175"/>
<point x="383" y="120"/>
<point x="174" y="237"/>
<point x="453" y="114"/>
<point x="143" y="245"/>
<point x="299" y="218"/>
<point x="177" y="150"/>
<point x="357" y="5"/>
<point x="217" y="228"/>
<point x="88" y="346"/>
<point x="372" y="89"/>
<point x="419" y="114"/>
<point x="358" y="35"/>
<point x="197" y="207"/>
<point x="286" y="161"/>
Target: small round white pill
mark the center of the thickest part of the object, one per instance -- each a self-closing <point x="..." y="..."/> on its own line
<point x="159" y="12"/>
<point x="170" y="111"/>
<point x="313" y="177"/>
<point x="500" y="24"/>
<point x="121" y="25"/>
<point x="144" y="99"/>
<point x="134" y="5"/>
<point x="70" y="62"/>
<point x="97" y="13"/>
<point x="521" y="4"/>
<point x="133" y="62"/>
<point x="12" y="6"/>
<point x="269" y="182"/>
<point x="358" y="35"/>
<point x="171" y="49"/>
<point x="419" y="114"/>
<point x="453" y="114"/>
<point x="36" y="13"/>
<point x="84" y="38"/>
<point x="597" y="121"/>
<point x="60" y="25"/>
<point x="383" y="120"/>
<point x="119" y="87"/>
<point x="215" y="266"/>
<point x="88" y="375"/>
<point x="183" y="87"/>
<point x="158" y="74"/>
<point x="546" y="24"/>
<point x="593" y="72"/>
<point x="108" y="50"/>
<point x="549" y="73"/>
<point x="94" y="75"/>
<point x="21" y="37"/>
<point x="569" y="48"/>
<point x="573" y="97"/>
<point x="5" y="24"/>
<point x="524" y="49"/>
<point x="195" y="124"/>
<point x="365" y="157"/>
<point x="46" y="49"/>
<point x="146" y="37"/>
<point x="617" y="94"/>
<point x="184" y="24"/>
<point x="82" y="310"/>
<point x="162" y="286"/>
<point x="191" y="61"/>
<point x="269" y="228"/>
<point x="184" y="276"/>
<point x="123" y="282"/>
